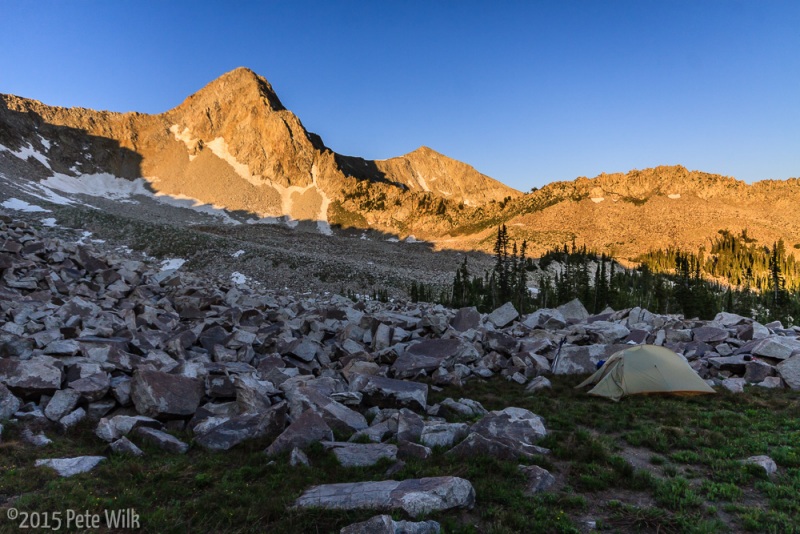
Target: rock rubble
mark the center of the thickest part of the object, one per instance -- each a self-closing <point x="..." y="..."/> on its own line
<point x="143" y="352"/>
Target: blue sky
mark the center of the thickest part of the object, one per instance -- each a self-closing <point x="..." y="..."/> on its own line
<point x="526" y="92"/>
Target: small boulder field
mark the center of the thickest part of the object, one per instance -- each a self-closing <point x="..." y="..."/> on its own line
<point x="217" y="407"/>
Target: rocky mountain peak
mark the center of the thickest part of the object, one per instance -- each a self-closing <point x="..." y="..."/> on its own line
<point x="241" y="86"/>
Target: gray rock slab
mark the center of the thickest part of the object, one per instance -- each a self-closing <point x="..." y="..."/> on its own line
<point x="162" y="440"/>
<point x="157" y="394"/>
<point x="574" y="310"/>
<point x="789" y="370"/>
<point x="36" y="376"/>
<point x="360" y="454"/>
<point x="504" y="315"/>
<point x="71" y="419"/>
<point x="38" y="439"/>
<point x="734" y="385"/>
<point x="92" y="388"/>
<point x="110" y="429"/>
<point x="9" y="403"/>
<point x="436" y="434"/>
<point x="756" y="371"/>
<point x="391" y="393"/>
<point x="777" y="347"/>
<point x="608" y="332"/>
<point x="582" y="359"/>
<point x="516" y="427"/>
<point x="307" y="429"/>
<point x="297" y="457"/>
<point x="475" y="444"/>
<point x="539" y="383"/>
<point x="735" y="364"/>
<point x="338" y="416"/>
<point x="709" y="334"/>
<point x="539" y="479"/>
<point x="67" y="467"/>
<point x="425" y="356"/>
<point x="414" y="496"/>
<point x="466" y="319"/>
<point x="125" y="446"/>
<point x="767" y="463"/>
<point x="549" y="319"/>
<point x="409" y="426"/>
<point x="240" y="428"/>
<point x="384" y="524"/>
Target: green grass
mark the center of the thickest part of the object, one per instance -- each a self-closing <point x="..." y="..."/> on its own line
<point x="691" y="474"/>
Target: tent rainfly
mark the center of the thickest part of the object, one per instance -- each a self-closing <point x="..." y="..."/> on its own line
<point x="644" y="369"/>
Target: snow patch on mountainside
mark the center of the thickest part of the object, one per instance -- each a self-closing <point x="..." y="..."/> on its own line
<point x="185" y="136"/>
<point x="21" y="205"/>
<point x="27" y="152"/>
<point x="288" y="212"/>
<point x="220" y="149"/>
<point x="111" y="187"/>
<point x="97" y="185"/>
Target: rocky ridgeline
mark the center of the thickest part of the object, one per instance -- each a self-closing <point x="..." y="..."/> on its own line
<point x="143" y="353"/>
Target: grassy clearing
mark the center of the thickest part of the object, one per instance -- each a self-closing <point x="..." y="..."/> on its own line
<point x="689" y="480"/>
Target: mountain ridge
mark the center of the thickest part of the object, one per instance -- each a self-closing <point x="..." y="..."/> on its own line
<point x="232" y="144"/>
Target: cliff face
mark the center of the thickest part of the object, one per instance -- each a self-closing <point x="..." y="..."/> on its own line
<point x="234" y="145"/>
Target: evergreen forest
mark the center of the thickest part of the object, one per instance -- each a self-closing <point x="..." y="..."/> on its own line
<point x="734" y="273"/>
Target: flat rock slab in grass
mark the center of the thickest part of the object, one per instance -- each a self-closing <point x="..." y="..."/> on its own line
<point x="360" y="454"/>
<point x="478" y="445"/>
<point x="125" y="446"/>
<point x="384" y="524"/>
<point x="508" y="434"/>
<point x="539" y="479"/>
<point x="516" y="425"/>
<point x="391" y="393"/>
<point x="157" y="394"/>
<point x="66" y="467"/>
<point x="763" y="461"/>
<point x="243" y="427"/>
<point x="414" y="496"/>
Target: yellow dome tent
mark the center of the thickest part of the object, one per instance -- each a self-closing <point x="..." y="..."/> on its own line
<point x="643" y="369"/>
